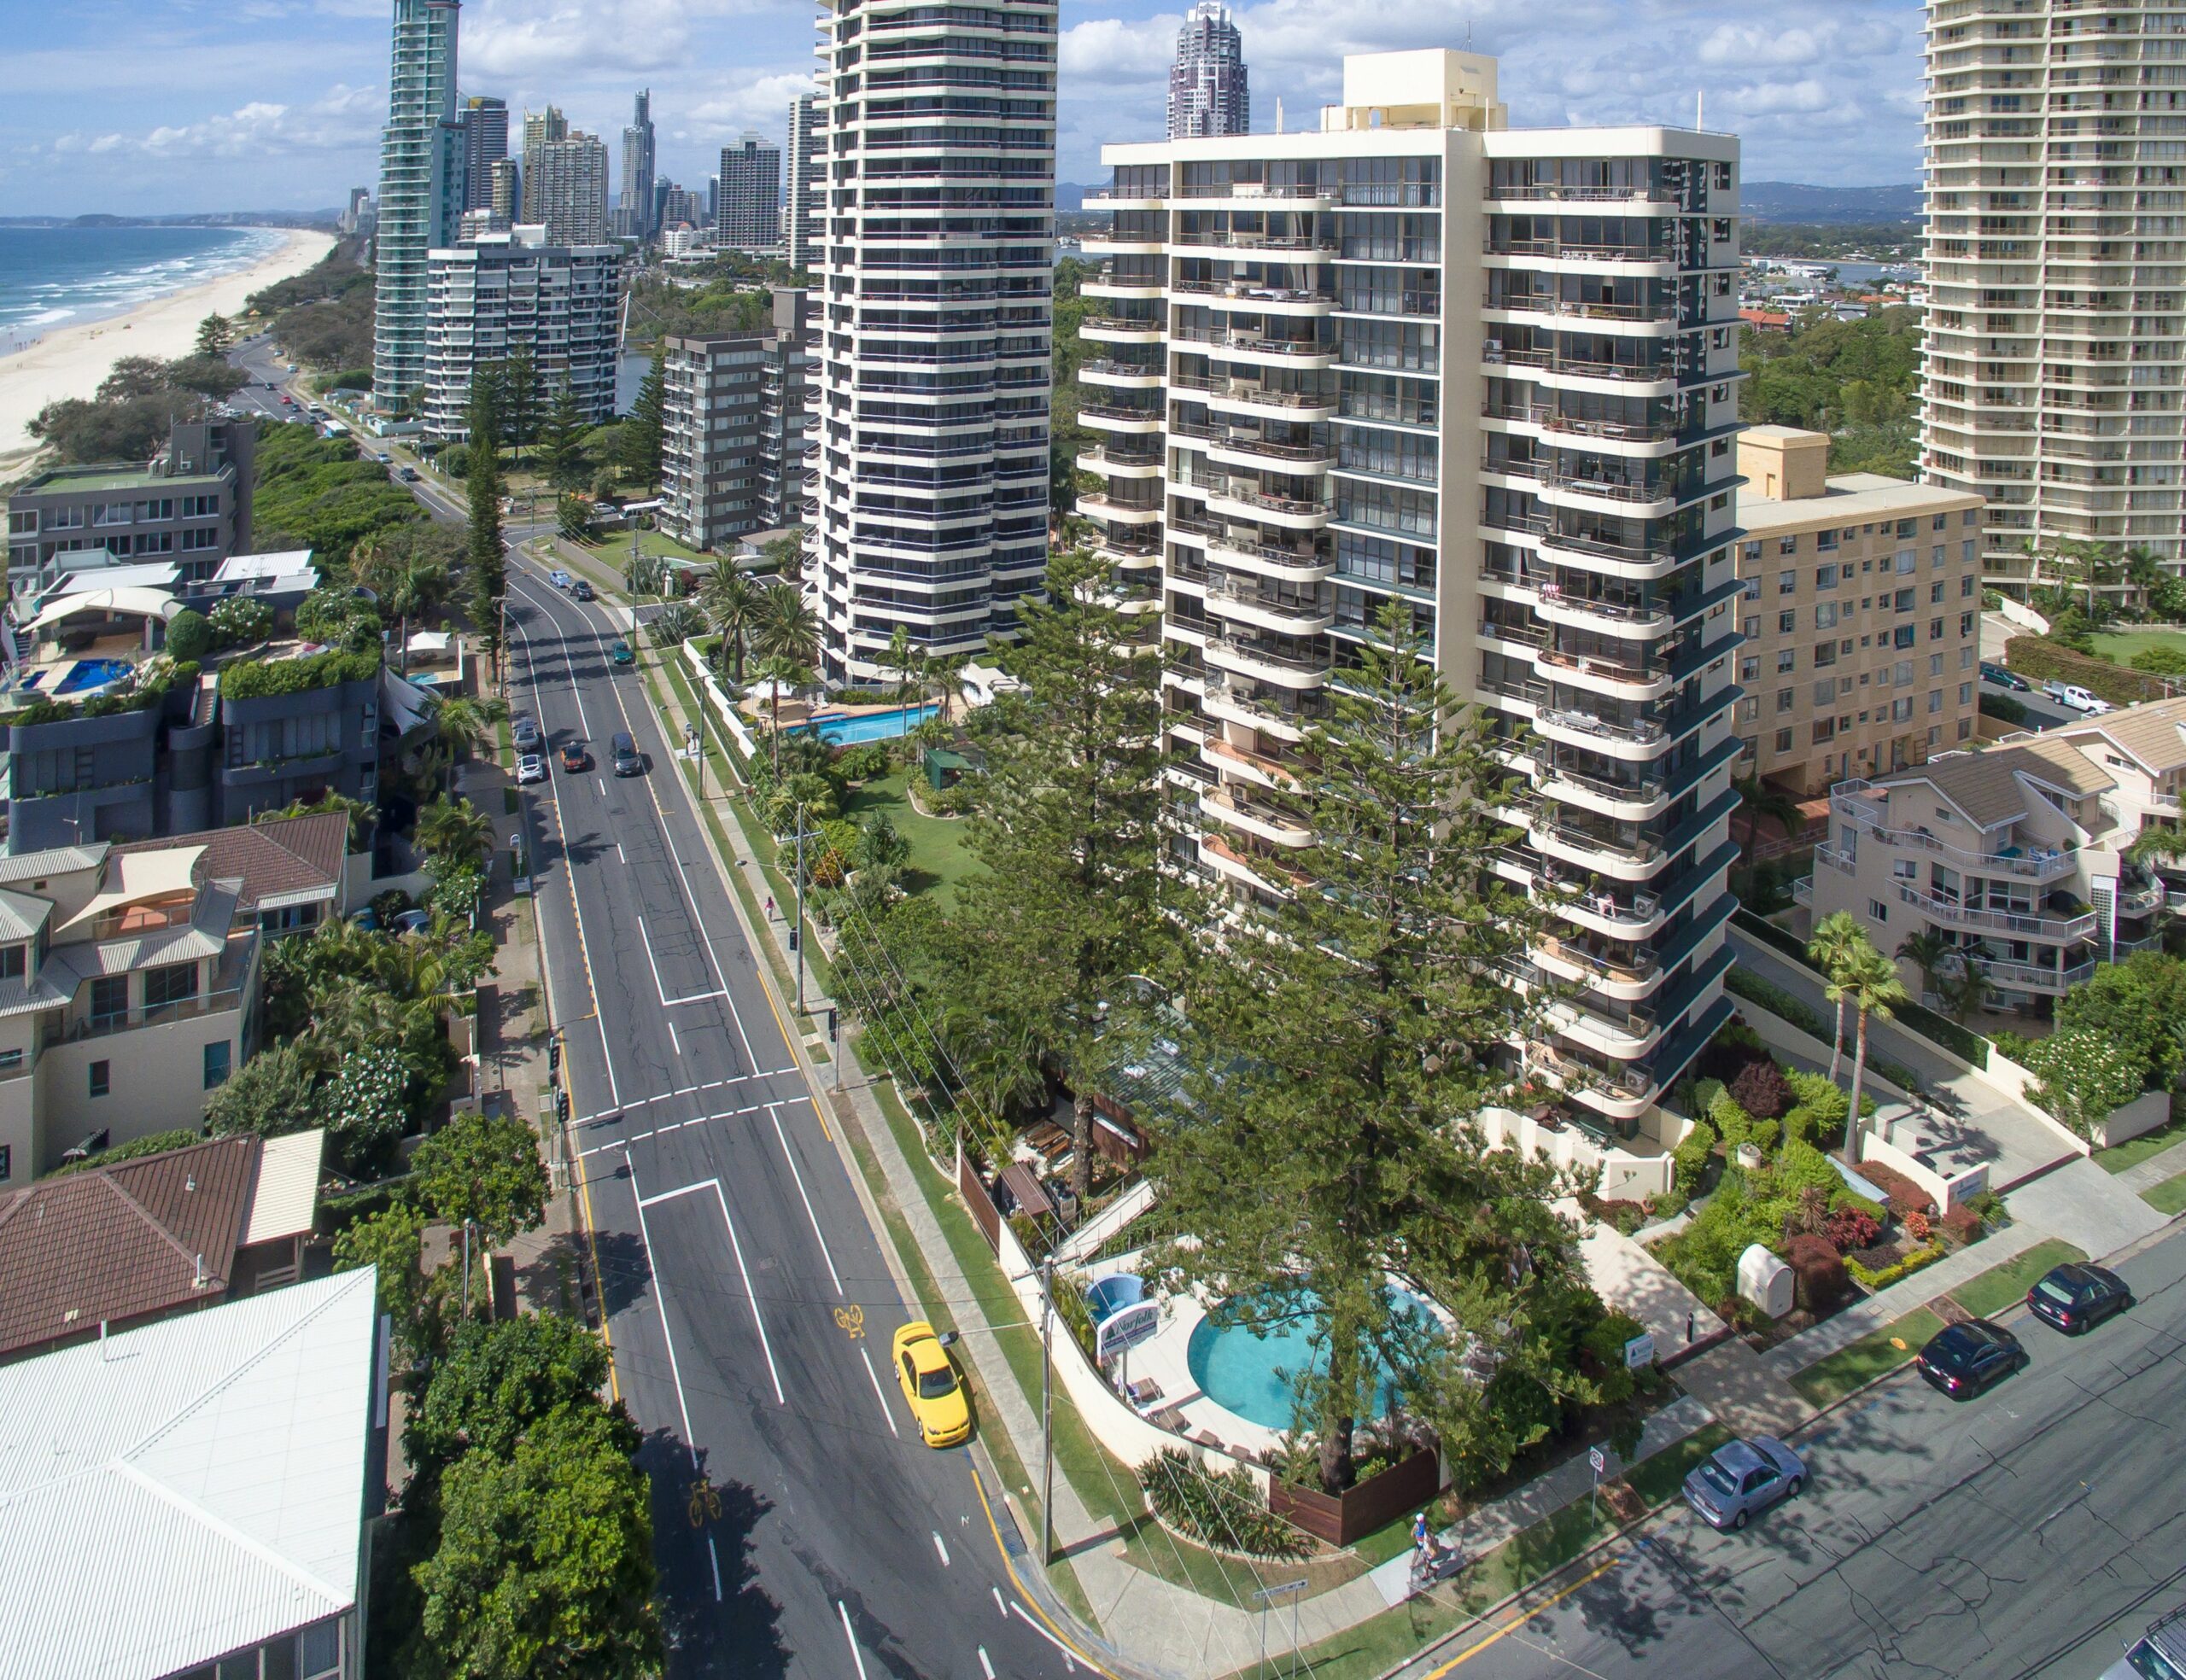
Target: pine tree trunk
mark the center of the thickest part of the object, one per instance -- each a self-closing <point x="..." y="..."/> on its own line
<point x="1852" y="1117"/>
<point x="1338" y="1470"/>
<point x="1081" y="1148"/>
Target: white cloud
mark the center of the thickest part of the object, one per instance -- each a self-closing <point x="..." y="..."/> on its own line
<point x="340" y="120"/>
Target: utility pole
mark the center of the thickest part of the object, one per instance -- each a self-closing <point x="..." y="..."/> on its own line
<point x="1047" y="1411"/>
<point x="797" y="932"/>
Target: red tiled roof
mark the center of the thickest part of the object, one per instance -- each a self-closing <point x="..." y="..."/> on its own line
<point x="289" y="855"/>
<point x="113" y="1244"/>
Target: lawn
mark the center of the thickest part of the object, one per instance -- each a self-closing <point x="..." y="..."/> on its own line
<point x="2001" y="1286"/>
<point x="613" y="548"/>
<point x="2119" y="646"/>
<point x="940" y="856"/>
<point x="1876" y="1354"/>
<point x="2134" y="1151"/>
<point x="2168" y="1196"/>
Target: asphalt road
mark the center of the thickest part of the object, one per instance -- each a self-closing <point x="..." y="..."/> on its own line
<point x="2029" y="1533"/>
<point x="801" y="1527"/>
<point x="2042" y="713"/>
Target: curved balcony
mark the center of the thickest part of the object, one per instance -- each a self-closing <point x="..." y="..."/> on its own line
<point x="1620" y="972"/>
<point x="1252" y="246"/>
<point x="1236" y="702"/>
<point x="1104" y="283"/>
<point x="1287" y="565"/>
<point x="1120" y="417"/>
<point x="1120" y="513"/>
<point x="1127" y="466"/>
<point x="1628" y="801"/>
<point x="1267" y="665"/>
<point x="1255" y="767"/>
<point x="1551" y="605"/>
<point x="2066" y="929"/>
<point x="1626" y="859"/>
<point x="1270" y="823"/>
<point x="1628" y="915"/>
<point x="1651" y="319"/>
<point x="1288" y="301"/>
<point x="1237" y="864"/>
<point x="1259" y="401"/>
<point x="1620" y="499"/>
<point x="1258" y="347"/>
<point x="1126" y="375"/>
<point x="1109" y="199"/>
<point x="1290" y="512"/>
<point x="1601" y="674"/>
<point x="1122" y="329"/>
<point x="1252" y="195"/>
<point x="1258" y="454"/>
<point x="1130" y="242"/>
<point x="1638" y="561"/>
<point x="1229" y="600"/>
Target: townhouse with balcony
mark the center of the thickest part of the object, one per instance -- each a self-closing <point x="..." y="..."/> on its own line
<point x="2015" y="855"/>
<point x="1861" y="616"/>
<point x="191" y="505"/>
<point x="1415" y="355"/>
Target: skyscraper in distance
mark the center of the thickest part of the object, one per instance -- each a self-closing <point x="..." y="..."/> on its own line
<point x="1207" y="84"/>
<point x="566" y="187"/>
<point x="485" y="143"/>
<point x="748" y="216"/>
<point x="806" y="129"/>
<point x="420" y="188"/>
<point x="638" y="167"/>
<point x="539" y="128"/>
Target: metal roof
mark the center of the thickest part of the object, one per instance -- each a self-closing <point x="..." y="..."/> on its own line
<point x="187" y="1490"/>
<point x="284" y="1201"/>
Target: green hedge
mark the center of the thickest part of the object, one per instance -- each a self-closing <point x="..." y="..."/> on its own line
<point x="1889" y="1274"/>
<point x="256" y="679"/>
<point x="2040" y="660"/>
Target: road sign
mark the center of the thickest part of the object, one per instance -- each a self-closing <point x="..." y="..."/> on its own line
<point x="1595" y="1458"/>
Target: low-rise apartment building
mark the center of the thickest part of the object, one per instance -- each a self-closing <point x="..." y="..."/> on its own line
<point x="509" y="294"/>
<point x="2015" y="855"/>
<point x="732" y="434"/>
<point x="1861" y="614"/>
<point x="190" y="504"/>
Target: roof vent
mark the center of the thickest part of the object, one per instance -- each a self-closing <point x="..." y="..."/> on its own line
<point x="200" y="1280"/>
<point x="190" y="1182"/>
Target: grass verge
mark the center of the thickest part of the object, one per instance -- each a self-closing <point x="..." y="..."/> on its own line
<point x="2168" y="1196"/>
<point x="2134" y="1151"/>
<point x="1876" y="1354"/>
<point x="2000" y="1287"/>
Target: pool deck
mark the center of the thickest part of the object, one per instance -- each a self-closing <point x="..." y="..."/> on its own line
<point x="1165" y="1358"/>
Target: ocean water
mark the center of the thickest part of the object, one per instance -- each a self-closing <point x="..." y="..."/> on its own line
<point x="63" y="276"/>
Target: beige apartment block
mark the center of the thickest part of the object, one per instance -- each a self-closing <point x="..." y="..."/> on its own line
<point x="1861" y="616"/>
<point x="2015" y="855"/>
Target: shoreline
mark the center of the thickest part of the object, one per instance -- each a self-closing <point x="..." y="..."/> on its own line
<point x="71" y="361"/>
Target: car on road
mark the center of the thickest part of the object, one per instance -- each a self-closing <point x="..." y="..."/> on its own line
<point x="407" y="475"/>
<point x="530" y="768"/>
<point x="581" y="590"/>
<point x="2073" y="698"/>
<point x="575" y="759"/>
<point x="1963" y="1360"/>
<point x="621" y="652"/>
<point x="2003" y="678"/>
<point x="523" y="729"/>
<point x="930" y="1386"/>
<point x="560" y="580"/>
<point x="2160" y="1653"/>
<point x="2076" y="1297"/>
<point x="383" y="458"/>
<point x="622" y="752"/>
<point x="1740" y="1479"/>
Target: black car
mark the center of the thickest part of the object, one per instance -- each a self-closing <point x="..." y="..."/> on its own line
<point x="2004" y="679"/>
<point x="1964" y="1359"/>
<point x="581" y="590"/>
<point x="2077" y="1297"/>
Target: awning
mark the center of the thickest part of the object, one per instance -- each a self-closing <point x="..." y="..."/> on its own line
<point x="284" y="1201"/>
<point x="144" y="603"/>
<point x="134" y="877"/>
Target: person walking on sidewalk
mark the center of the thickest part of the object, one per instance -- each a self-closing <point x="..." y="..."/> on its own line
<point x="770" y="908"/>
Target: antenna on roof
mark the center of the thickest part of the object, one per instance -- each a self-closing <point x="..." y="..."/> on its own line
<point x="199" y="1280"/>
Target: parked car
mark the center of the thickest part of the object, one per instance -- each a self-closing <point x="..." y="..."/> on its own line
<point x="623" y="754"/>
<point x="930" y="1384"/>
<point x="2003" y="678"/>
<point x="581" y="590"/>
<point x="2160" y="1653"/>
<point x="621" y="652"/>
<point x="559" y="578"/>
<point x="523" y="729"/>
<point x="2073" y="698"/>
<point x="367" y="919"/>
<point x="1963" y="1360"/>
<point x="1740" y="1479"/>
<point x="575" y="759"/>
<point x="530" y="768"/>
<point x="2076" y="1297"/>
<point x="413" y="921"/>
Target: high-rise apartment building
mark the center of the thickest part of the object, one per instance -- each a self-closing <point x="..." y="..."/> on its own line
<point x="747" y="217"/>
<point x="1208" y="93"/>
<point x="733" y="433"/>
<point x="506" y="197"/>
<point x="420" y="188"/>
<point x="2054" y="383"/>
<point x="510" y="294"/>
<point x="807" y="136"/>
<point x="539" y="128"/>
<point x="485" y="144"/>
<point x="565" y="182"/>
<point x="678" y="207"/>
<point x="635" y="206"/>
<point x="1300" y="340"/>
<point x="936" y="223"/>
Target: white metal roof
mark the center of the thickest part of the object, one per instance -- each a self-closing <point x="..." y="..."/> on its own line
<point x="189" y="1489"/>
<point x="142" y="602"/>
<point x="286" y="1199"/>
<point x="284" y="563"/>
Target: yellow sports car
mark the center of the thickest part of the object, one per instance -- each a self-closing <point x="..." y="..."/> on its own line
<point x="931" y="1384"/>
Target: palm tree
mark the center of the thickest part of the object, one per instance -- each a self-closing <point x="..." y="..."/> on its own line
<point x="465" y="726"/>
<point x="2158" y="843"/>
<point x="1964" y="989"/>
<point x="1929" y="951"/>
<point x="1876" y="990"/>
<point x="1760" y="800"/>
<point x="1835" y="938"/>
<point x="2143" y="570"/>
<point x="900" y="660"/>
<point x="731" y="602"/>
<point x="455" y="831"/>
<point x="787" y="638"/>
<point x="415" y="590"/>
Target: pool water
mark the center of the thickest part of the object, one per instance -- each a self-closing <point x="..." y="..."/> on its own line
<point x="1249" y="1371"/>
<point x="873" y="726"/>
<point x="88" y="673"/>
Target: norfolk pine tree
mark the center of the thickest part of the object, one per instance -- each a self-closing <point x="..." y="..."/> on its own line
<point x="488" y="562"/>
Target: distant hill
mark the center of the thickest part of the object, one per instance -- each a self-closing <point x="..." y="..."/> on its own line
<point x="1788" y="201"/>
<point x="1070" y="195"/>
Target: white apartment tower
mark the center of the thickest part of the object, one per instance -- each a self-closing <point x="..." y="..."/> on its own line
<point x="570" y="175"/>
<point x="1208" y="93"/>
<point x="807" y="137"/>
<point x="936" y="221"/>
<point x="2056" y="341"/>
<point x="1300" y="339"/>
<point x="422" y="156"/>
<point x="503" y="294"/>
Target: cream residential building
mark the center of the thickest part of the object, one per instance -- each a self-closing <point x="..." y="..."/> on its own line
<point x="1415" y="355"/>
<point x="1861" y="616"/>
<point x="2055" y="376"/>
<point x="2014" y="854"/>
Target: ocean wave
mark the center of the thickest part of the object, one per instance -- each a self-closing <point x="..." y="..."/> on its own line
<point x="32" y="304"/>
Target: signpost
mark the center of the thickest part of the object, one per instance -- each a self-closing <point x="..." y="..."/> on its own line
<point x="1599" y="1461"/>
<point x="1639" y="1352"/>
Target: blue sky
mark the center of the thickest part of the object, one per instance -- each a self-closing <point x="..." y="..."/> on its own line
<point x="164" y="106"/>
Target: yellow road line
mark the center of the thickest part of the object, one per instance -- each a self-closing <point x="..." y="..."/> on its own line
<point x="1516" y="1623"/>
<point x="1023" y="1592"/>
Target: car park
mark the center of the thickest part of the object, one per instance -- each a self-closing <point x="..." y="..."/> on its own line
<point x="1740" y="1479"/>
<point x="1964" y="1359"/>
<point x="523" y="729"/>
<point x="574" y="758"/>
<point x="2004" y="679"/>
<point x="930" y="1386"/>
<point x="2076" y="1297"/>
<point x="530" y="768"/>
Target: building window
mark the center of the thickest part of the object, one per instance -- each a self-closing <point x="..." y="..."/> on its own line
<point x="1788" y="545"/>
<point x="1753" y="551"/>
<point x="171" y="983"/>
<point x="1787" y="621"/>
<point x="1964" y="728"/>
<point x="1935" y="701"/>
<point x="1825" y="541"/>
<point x="102" y="1081"/>
<point x="1878" y="911"/>
<point x="1787" y="659"/>
<point x="15" y="961"/>
<point x="1824" y="616"/>
<point x="7" y="1162"/>
<point x="1784" y="699"/>
<point x="1749" y="667"/>
<point x="218" y="1059"/>
<point x="1788" y="583"/>
<point x="110" y="998"/>
<point x="1783" y="740"/>
<point x="11" y="1061"/>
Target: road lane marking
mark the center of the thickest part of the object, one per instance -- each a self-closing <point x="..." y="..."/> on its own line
<point x="663" y="1130"/>
<point x="774" y="1112"/>
<point x="998" y="1603"/>
<point x="714" y="1558"/>
<point x="660" y="1302"/>
<point x="881" y="1395"/>
<point x="1009" y="1568"/>
<point x="985" y="1667"/>
<point x="765" y="1346"/>
<point x="852" y="1637"/>
<point x="617" y="1112"/>
<point x="735" y="1247"/>
<point x="1512" y="1626"/>
<point x="619" y="858"/>
<point x="1069" y="1658"/>
<point x="943" y="1550"/>
<point x="674" y="1041"/>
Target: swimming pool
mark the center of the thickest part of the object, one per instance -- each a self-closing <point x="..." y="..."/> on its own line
<point x="90" y="673"/>
<point x="873" y="726"/>
<point x="1250" y="1372"/>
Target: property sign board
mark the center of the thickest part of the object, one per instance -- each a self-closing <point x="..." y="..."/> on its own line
<point x="1127" y="1328"/>
<point x="1640" y="1351"/>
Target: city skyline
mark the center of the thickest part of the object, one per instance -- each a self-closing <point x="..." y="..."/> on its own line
<point x="1828" y="92"/>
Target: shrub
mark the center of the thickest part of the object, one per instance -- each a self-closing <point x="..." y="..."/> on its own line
<point x="241" y="620"/>
<point x="1849" y="1228"/>
<point x="1762" y="1091"/>
<point x="1904" y="1196"/>
<point x="2045" y="661"/>
<point x="254" y="680"/>
<point x="2083" y="1074"/>
<point x="1883" y="1278"/>
<point x="2003" y="707"/>
<point x="1690" y="1158"/>
<point x="1226" y="1512"/>
<point x="1961" y="1225"/>
<point x="863" y="762"/>
<point x="189" y="634"/>
<point x="1820" y="1269"/>
<point x="1765" y="994"/>
<point x="1704" y="1092"/>
<point x="1917" y="1226"/>
<point x="1730" y="1120"/>
<point x="2162" y="661"/>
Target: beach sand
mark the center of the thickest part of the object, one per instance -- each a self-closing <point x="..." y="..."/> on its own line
<point x="72" y="361"/>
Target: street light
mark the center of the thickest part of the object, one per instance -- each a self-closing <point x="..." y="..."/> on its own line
<point x="797" y="932"/>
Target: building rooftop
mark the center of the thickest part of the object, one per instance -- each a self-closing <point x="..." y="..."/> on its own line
<point x="1985" y="786"/>
<point x="272" y="865"/>
<point x="114" y="476"/>
<point x="1851" y="498"/>
<point x="2153" y="735"/>
<point x="191" y="1489"/>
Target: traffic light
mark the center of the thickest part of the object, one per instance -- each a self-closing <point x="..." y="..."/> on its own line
<point x="554" y="1055"/>
<point x="561" y="1105"/>
<point x="830" y="1027"/>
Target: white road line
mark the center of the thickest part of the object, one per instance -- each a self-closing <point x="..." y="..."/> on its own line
<point x="943" y="1550"/>
<point x="998" y="1604"/>
<point x="852" y="1637"/>
<point x="985" y="1667"/>
<point x="1069" y="1658"/>
<point x="714" y="1558"/>
<point x="660" y="1302"/>
<point x="619" y="858"/>
<point x="672" y="1038"/>
<point x="880" y="1394"/>
<point x="660" y="990"/>
<point x="765" y="1347"/>
<point x="774" y="1112"/>
<point x="691" y="1091"/>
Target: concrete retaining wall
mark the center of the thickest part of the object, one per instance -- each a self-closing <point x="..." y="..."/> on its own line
<point x="1625" y="1177"/>
<point x="2143" y="1115"/>
<point x="1947" y="1194"/>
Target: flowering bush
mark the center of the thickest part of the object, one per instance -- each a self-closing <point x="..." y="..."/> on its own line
<point x="1917" y="1226"/>
<point x="2083" y="1075"/>
<point x="1850" y="1228"/>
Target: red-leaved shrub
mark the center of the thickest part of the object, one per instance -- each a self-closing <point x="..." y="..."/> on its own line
<point x="1762" y="1091"/>
<point x="1904" y="1196"/>
<point x="1850" y="1228"/>
<point x="1820" y="1271"/>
